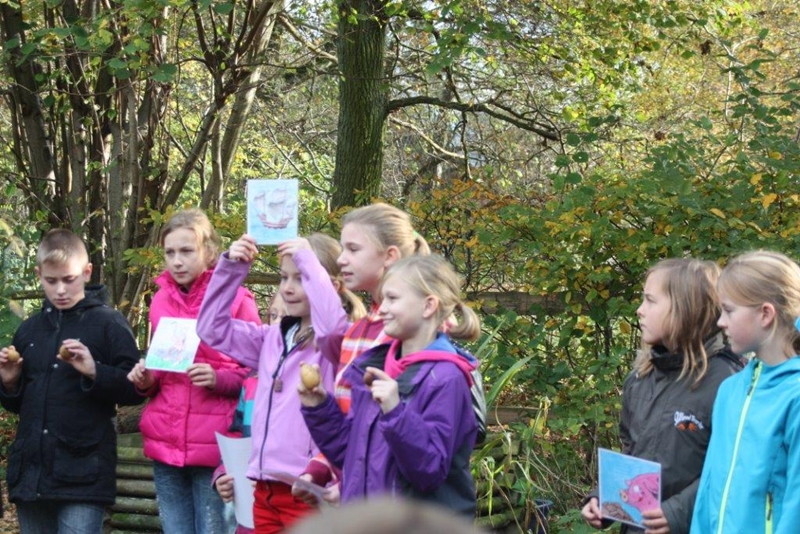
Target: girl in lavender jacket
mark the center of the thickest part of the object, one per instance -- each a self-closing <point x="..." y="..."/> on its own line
<point x="311" y="332"/>
<point x="411" y="426"/>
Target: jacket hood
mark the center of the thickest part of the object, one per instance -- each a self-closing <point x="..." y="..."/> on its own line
<point x="774" y="375"/>
<point x="94" y="295"/>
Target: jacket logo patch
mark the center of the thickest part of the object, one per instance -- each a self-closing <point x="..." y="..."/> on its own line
<point x="688" y="422"/>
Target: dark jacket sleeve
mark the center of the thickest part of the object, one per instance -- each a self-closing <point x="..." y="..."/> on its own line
<point x="111" y="382"/>
<point x="679" y="508"/>
<point x="13" y="401"/>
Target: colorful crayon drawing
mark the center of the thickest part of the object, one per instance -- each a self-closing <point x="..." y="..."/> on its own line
<point x="173" y="345"/>
<point x="628" y="486"/>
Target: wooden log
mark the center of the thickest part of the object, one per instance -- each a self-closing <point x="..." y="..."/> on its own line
<point x="138" y="471"/>
<point x="135" y="521"/>
<point x="136" y="505"/>
<point x="495" y="521"/>
<point x="132" y="454"/>
<point x="136" y="488"/>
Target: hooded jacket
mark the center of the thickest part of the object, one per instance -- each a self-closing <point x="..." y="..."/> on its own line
<point x="667" y="420"/>
<point x="180" y="420"/>
<point x="420" y="449"/>
<point x="281" y="442"/>
<point x="66" y="444"/>
<point x="751" y="476"/>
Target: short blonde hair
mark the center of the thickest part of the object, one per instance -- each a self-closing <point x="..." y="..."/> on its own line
<point x="690" y="285"/>
<point x="388" y="226"/>
<point x="60" y="245"/>
<point x="766" y="276"/>
<point x="195" y="220"/>
<point x="433" y="275"/>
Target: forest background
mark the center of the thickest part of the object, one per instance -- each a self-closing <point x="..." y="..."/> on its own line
<point x="551" y="150"/>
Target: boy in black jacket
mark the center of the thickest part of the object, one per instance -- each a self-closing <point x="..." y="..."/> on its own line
<point x="75" y="357"/>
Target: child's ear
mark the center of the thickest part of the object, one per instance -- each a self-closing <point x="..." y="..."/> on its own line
<point x="431" y="306"/>
<point x="87" y="272"/>
<point x="392" y="255"/>
<point x="768" y="314"/>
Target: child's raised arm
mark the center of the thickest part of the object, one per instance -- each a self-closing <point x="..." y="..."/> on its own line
<point x="328" y="315"/>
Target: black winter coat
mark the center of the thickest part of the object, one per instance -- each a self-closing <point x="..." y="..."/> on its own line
<point x="66" y="444"/>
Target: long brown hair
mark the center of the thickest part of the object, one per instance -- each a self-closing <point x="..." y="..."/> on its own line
<point x="694" y="310"/>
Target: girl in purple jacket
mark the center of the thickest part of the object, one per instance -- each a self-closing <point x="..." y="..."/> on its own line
<point x="411" y="426"/>
<point x="311" y="332"/>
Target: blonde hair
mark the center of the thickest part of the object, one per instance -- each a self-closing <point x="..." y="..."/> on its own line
<point x="389" y="226"/>
<point x="690" y="285"/>
<point x="327" y="250"/>
<point x="58" y="246"/>
<point x="433" y="275"/>
<point x="765" y="276"/>
<point x="195" y="220"/>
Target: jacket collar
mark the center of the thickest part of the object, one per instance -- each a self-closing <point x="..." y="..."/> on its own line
<point x="666" y="361"/>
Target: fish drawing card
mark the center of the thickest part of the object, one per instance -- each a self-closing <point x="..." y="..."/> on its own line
<point x="628" y="487"/>
<point x="173" y="346"/>
<point x="272" y="210"/>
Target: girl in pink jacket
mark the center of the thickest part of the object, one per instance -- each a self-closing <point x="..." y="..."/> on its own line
<point x="310" y="333"/>
<point x="186" y="409"/>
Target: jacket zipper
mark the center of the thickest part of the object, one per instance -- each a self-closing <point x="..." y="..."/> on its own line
<point x="742" y="417"/>
<point x="768" y="527"/>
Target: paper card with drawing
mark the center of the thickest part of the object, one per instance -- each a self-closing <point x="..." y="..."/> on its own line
<point x="235" y="454"/>
<point x="173" y="346"/>
<point x="272" y="210"/>
<point x="628" y="486"/>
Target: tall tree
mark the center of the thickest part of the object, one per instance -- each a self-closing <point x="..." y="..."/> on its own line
<point x="92" y="89"/>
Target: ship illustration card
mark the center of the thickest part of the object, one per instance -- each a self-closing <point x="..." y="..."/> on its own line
<point x="272" y="210"/>
<point x="628" y="487"/>
<point x="173" y="346"/>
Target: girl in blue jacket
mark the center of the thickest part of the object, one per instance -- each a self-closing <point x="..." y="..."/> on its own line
<point x="411" y="427"/>
<point x="752" y="473"/>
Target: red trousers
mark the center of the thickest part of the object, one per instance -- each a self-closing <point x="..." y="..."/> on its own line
<point x="275" y="508"/>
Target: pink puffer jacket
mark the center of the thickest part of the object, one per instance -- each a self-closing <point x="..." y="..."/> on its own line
<point x="180" y="419"/>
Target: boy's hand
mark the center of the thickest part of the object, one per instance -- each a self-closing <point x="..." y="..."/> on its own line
<point x="80" y="358"/>
<point x="311" y="398"/>
<point x="292" y="246"/>
<point x="10" y="371"/>
<point x="224" y="485"/>
<point x="202" y="375"/>
<point x="243" y="249"/>
<point x="591" y="513"/>
<point x="141" y="377"/>
<point x="384" y="390"/>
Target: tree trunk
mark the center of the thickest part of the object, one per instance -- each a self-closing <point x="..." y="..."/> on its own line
<point x="363" y="93"/>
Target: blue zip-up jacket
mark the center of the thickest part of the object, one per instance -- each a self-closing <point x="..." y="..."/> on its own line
<point x="751" y="478"/>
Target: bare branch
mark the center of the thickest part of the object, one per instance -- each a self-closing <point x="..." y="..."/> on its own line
<point x="523" y="124"/>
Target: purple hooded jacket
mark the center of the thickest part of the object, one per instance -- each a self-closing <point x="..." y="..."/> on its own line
<point x="421" y="449"/>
